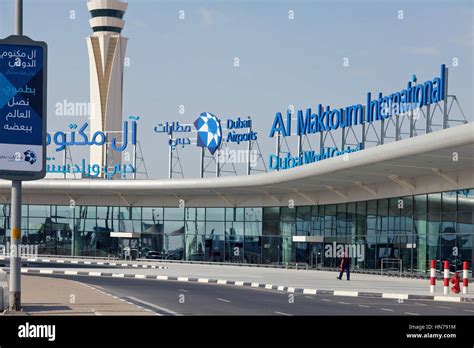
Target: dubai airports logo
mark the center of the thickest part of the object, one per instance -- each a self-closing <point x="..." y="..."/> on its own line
<point x="30" y="157"/>
<point x="209" y="131"/>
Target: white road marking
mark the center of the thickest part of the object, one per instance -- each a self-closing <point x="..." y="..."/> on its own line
<point x="363" y="306"/>
<point x="309" y="291"/>
<point x="166" y="310"/>
<point x="386" y="309"/>
<point x="325" y="299"/>
<point x="468" y="310"/>
<point x="343" y="302"/>
<point x="421" y="304"/>
<point x="281" y="313"/>
<point x="309" y="297"/>
<point x="444" y="307"/>
<point x="183" y="290"/>
<point x="409" y="313"/>
<point x="223" y="300"/>
<point x="395" y="296"/>
<point x="447" y="299"/>
<point x="346" y="293"/>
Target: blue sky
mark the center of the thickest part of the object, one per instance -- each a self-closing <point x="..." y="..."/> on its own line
<point x="190" y="62"/>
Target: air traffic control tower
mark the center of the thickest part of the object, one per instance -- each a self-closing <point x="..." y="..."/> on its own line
<point x="106" y="60"/>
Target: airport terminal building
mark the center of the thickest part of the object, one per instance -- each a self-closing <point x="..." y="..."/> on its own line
<point x="391" y="180"/>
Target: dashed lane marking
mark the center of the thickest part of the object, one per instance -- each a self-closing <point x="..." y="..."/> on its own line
<point x="158" y="310"/>
<point x="223" y="300"/>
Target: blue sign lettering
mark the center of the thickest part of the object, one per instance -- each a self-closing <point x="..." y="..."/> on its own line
<point x="326" y="119"/>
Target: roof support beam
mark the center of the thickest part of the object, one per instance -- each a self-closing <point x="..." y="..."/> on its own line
<point x="337" y="192"/>
<point x="225" y="199"/>
<point x="445" y="176"/>
<point x="124" y="199"/>
<point x="367" y="188"/>
<point x="272" y="197"/>
<point x="305" y="197"/>
<point x="71" y="198"/>
<point x="179" y="198"/>
<point x="402" y="182"/>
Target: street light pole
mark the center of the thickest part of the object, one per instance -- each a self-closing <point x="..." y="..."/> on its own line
<point x="15" y="257"/>
<point x="19" y="17"/>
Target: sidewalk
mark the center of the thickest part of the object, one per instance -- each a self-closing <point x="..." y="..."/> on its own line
<point x="54" y="296"/>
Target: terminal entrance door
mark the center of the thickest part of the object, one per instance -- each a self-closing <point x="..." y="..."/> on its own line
<point x="309" y="249"/>
<point x="129" y="248"/>
<point x="128" y="244"/>
<point x="316" y="255"/>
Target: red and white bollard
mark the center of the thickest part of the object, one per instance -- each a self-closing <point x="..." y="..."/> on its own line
<point x="432" y="275"/>
<point x="446" y="278"/>
<point x="465" y="276"/>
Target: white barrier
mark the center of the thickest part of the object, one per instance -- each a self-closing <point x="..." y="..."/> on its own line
<point x="4" y="294"/>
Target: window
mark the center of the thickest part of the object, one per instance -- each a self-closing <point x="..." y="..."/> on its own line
<point x="112" y="29"/>
<point x="174" y="214"/>
<point x="215" y="214"/>
<point x="234" y="214"/>
<point x="271" y="221"/>
<point x="107" y="13"/>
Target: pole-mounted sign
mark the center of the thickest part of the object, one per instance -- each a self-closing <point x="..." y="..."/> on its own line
<point x="23" y="79"/>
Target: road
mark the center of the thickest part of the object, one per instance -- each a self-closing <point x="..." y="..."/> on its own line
<point x="185" y="298"/>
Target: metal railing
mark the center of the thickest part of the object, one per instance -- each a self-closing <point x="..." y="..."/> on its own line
<point x="389" y="261"/>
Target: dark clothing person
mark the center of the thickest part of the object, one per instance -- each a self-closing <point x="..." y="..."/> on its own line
<point x="345" y="266"/>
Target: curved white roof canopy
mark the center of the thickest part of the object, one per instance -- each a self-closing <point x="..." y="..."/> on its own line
<point x="420" y="164"/>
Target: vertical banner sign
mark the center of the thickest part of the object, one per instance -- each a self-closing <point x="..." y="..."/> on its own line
<point x="23" y="72"/>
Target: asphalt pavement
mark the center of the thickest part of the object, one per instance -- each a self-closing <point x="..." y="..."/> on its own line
<point x="185" y="298"/>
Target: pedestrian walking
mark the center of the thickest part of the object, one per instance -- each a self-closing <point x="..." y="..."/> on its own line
<point x="345" y="266"/>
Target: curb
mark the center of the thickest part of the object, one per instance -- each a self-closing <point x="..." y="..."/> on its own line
<point x="287" y="289"/>
<point x="133" y="265"/>
<point x="95" y="263"/>
<point x="294" y="266"/>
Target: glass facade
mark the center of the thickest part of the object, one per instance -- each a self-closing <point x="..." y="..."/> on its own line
<point x="408" y="231"/>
